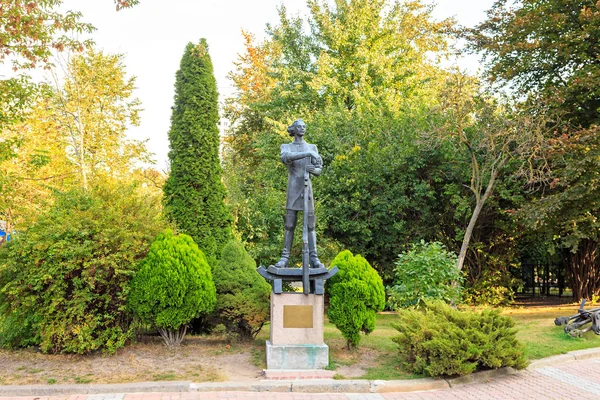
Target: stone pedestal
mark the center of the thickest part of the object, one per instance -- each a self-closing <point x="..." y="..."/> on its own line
<point x="296" y="341"/>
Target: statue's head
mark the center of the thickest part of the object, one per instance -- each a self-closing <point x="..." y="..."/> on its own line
<point x="297" y="127"/>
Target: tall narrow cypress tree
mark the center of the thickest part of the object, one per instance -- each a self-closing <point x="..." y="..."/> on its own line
<point x="194" y="193"/>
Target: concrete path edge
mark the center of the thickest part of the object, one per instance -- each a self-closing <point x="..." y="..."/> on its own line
<point x="299" y="386"/>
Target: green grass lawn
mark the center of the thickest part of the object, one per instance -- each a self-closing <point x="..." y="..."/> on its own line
<point x="377" y="356"/>
<point x="541" y="338"/>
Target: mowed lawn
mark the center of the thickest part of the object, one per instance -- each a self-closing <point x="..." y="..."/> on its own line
<point x="377" y="358"/>
<point x="536" y="331"/>
<point x="542" y="338"/>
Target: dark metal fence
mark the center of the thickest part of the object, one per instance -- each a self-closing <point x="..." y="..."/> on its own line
<point x="543" y="280"/>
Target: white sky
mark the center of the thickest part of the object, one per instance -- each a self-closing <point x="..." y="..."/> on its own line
<point x="153" y="36"/>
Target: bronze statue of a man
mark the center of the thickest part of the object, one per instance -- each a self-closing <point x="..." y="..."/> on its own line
<point x="301" y="158"/>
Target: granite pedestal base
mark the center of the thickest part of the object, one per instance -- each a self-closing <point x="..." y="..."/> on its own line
<point x="296" y="341"/>
<point x="297" y="356"/>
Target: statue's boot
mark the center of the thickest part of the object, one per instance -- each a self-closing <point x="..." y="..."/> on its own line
<point x="312" y="250"/>
<point x="288" y="238"/>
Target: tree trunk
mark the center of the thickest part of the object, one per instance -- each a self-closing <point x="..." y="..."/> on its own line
<point x="480" y="201"/>
<point x="82" y="153"/>
<point x="172" y="338"/>
<point x="584" y="270"/>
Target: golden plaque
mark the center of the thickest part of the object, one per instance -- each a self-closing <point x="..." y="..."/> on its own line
<point x="297" y="316"/>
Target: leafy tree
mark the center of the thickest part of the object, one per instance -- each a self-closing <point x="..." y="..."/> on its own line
<point x="357" y="78"/>
<point x="33" y="29"/>
<point x="493" y="135"/>
<point x="426" y="272"/>
<point x="356" y="294"/>
<point x="547" y="50"/>
<point x="173" y="285"/>
<point x="372" y="54"/>
<point x="29" y="33"/>
<point x="493" y="264"/>
<point x="16" y="95"/>
<point x="242" y="294"/>
<point x="38" y="165"/>
<point x="194" y="192"/>
<point x="64" y="281"/>
<point x="73" y="135"/>
<point x="393" y="189"/>
<point x="569" y="210"/>
<point x="94" y="107"/>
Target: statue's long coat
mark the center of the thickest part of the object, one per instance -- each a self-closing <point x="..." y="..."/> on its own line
<point x="295" y="189"/>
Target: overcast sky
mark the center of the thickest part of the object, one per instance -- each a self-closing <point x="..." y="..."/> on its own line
<point x="153" y="36"/>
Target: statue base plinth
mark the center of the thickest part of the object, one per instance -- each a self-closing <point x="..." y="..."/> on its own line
<point x="296" y="341"/>
<point x="297" y="356"/>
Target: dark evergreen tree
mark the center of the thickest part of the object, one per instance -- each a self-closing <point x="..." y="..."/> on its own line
<point x="242" y="294"/>
<point x="194" y="192"/>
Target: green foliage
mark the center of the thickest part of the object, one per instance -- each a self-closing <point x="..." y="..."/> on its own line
<point x="491" y="289"/>
<point x="242" y="294"/>
<point x="29" y="40"/>
<point x="356" y="294"/>
<point x="426" y="272"/>
<point x="362" y="78"/>
<point x="64" y="281"/>
<point x="499" y="243"/>
<point x="570" y="208"/>
<point x="16" y="95"/>
<point x="174" y="283"/>
<point x="558" y="68"/>
<point x="490" y="274"/>
<point x="194" y="192"/>
<point x="439" y="340"/>
<point x="94" y="108"/>
<point x="559" y="65"/>
<point x="393" y="189"/>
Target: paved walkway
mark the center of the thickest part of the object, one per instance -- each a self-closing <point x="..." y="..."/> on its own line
<point x="572" y="380"/>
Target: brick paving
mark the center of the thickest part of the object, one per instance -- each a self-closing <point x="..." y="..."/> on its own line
<point x="573" y="380"/>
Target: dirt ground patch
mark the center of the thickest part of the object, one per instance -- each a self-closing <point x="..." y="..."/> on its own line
<point x="199" y="359"/>
<point x="210" y="358"/>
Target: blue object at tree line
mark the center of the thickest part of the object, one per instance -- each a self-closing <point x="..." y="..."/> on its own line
<point x="4" y="235"/>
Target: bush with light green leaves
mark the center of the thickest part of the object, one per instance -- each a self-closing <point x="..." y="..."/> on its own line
<point x="173" y="285"/>
<point x="64" y="281"/>
<point x="356" y="294"/>
<point x="438" y="340"/>
<point x="426" y="272"/>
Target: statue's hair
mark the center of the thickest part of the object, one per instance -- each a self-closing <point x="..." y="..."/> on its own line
<point x="291" y="129"/>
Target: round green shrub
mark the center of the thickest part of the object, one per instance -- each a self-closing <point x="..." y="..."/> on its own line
<point x="426" y="272"/>
<point x="64" y="281"/>
<point x="173" y="285"/>
<point x="438" y="340"/>
<point x="356" y="294"/>
<point x="242" y="294"/>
